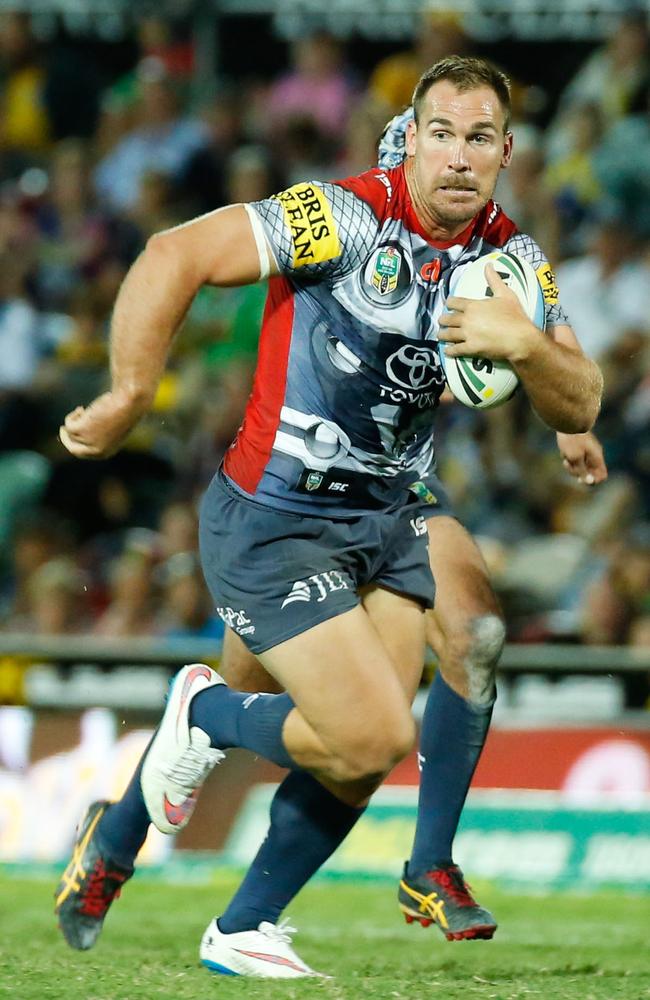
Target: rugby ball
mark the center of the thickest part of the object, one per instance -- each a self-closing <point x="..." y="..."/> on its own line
<point x="480" y="382"/>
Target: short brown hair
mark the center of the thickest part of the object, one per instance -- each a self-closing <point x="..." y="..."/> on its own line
<point x="466" y="73"/>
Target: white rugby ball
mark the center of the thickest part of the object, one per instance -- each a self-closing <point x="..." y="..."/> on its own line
<point x="480" y="382"/>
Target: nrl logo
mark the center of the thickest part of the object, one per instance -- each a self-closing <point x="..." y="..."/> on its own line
<point x="313" y="481"/>
<point x="386" y="271"/>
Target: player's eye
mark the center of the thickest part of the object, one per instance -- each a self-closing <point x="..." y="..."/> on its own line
<point x="481" y="139"/>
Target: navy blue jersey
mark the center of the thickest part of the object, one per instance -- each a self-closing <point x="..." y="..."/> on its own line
<point x="340" y="420"/>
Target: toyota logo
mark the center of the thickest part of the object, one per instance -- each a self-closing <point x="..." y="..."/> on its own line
<point x="413" y="367"/>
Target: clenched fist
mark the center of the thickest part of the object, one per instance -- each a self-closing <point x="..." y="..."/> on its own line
<point x="98" y="430"/>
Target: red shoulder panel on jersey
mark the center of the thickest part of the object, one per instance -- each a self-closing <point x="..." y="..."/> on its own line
<point x="372" y="186"/>
<point x="494" y="225"/>
<point x="249" y="453"/>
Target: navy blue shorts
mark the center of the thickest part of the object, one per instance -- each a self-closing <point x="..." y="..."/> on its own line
<point x="432" y="497"/>
<point x="273" y="574"/>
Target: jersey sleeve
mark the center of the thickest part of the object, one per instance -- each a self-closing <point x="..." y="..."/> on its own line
<point x="526" y="247"/>
<point x="317" y="230"/>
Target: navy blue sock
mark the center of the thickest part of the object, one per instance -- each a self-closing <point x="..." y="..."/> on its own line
<point x="307" y="825"/>
<point x="452" y="737"/>
<point x="123" y="828"/>
<point x="236" y="719"/>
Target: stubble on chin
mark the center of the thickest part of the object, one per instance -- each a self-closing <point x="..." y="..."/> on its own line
<point x="449" y="216"/>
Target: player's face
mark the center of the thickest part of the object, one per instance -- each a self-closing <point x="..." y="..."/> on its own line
<point x="458" y="149"/>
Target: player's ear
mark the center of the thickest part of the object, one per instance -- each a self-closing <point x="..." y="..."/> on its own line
<point x="507" y="150"/>
<point x="409" y="141"/>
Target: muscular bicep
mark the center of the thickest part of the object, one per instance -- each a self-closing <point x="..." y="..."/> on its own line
<point x="224" y="247"/>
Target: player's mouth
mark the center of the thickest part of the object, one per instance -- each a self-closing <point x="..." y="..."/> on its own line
<point x="457" y="190"/>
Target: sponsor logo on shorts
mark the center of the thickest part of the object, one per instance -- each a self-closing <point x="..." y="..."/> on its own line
<point x="300" y="591"/>
<point x="419" y="525"/>
<point x="313" y="231"/>
<point x="238" y="621"/>
<point x="335" y="481"/>
<point x="423" y="492"/>
<point x="320" y="585"/>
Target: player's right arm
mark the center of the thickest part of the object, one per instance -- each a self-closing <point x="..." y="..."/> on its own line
<point x="226" y="247"/>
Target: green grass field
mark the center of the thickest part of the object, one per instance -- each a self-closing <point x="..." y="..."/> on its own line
<point x="566" y="947"/>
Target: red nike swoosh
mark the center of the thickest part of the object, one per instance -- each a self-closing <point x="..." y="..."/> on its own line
<point x="274" y="959"/>
<point x="177" y="814"/>
<point x="198" y="671"/>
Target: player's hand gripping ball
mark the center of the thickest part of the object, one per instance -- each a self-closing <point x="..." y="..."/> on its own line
<point x="483" y="383"/>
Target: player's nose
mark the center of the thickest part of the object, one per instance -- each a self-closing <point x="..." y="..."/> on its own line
<point x="458" y="159"/>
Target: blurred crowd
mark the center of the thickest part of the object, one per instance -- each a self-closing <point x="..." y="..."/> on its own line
<point x="91" y="166"/>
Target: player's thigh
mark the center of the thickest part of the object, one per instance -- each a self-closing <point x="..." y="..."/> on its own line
<point x="344" y="683"/>
<point x="241" y="669"/>
<point x="400" y="623"/>
<point x="463" y="589"/>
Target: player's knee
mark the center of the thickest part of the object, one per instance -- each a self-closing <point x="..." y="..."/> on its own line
<point x="397" y="741"/>
<point x="370" y="754"/>
<point x="471" y="656"/>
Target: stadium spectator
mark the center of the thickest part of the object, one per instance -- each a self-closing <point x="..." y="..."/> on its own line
<point x="159" y="37"/>
<point x="621" y="163"/>
<point x="71" y="232"/>
<point x="163" y="139"/>
<point x="21" y="350"/>
<point x="186" y="610"/>
<point x="178" y="529"/>
<point x="318" y="88"/>
<point x="366" y="123"/>
<point x="38" y="537"/>
<point x="249" y="174"/>
<point x="157" y="205"/>
<point x="572" y="180"/>
<point x="607" y="289"/>
<point x="57" y="602"/>
<point x="202" y="182"/>
<point x="25" y="127"/>
<point x="615" y="607"/>
<point x="304" y="150"/>
<point x="49" y="93"/>
<point x="131" y="601"/>
<point x="609" y="79"/>
<point x="439" y="33"/>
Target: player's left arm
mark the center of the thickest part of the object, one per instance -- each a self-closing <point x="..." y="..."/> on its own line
<point x="582" y="454"/>
<point x="564" y="385"/>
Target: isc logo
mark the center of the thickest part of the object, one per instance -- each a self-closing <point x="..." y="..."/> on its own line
<point x="419" y="525"/>
<point x="338" y="487"/>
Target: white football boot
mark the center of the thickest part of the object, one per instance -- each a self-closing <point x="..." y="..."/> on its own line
<point x="179" y="758"/>
<point x="264" y="953"/>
